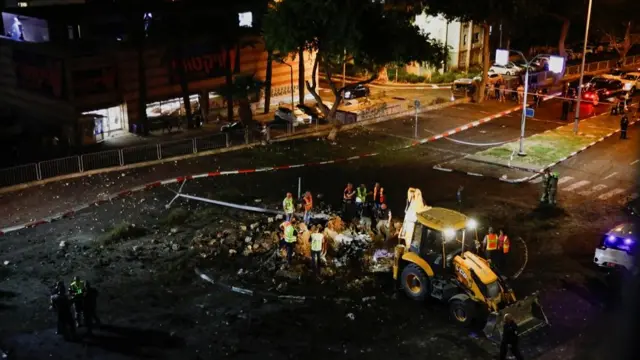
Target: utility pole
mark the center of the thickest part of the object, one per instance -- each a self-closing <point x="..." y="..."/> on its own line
<point x="584" y="58"/>
<point x="416" y="103"/>
<point x="469" y="40"/>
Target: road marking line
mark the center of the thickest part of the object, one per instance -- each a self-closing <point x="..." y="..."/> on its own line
<point x="564" y="179"/>
<point x="610" y="175"/>
<point x="577" y="185"/>
<point x="611" y="194"/>
<point x="633" y="162"/>
<point x="536" y="180"/>
<point x="593" y="190"/>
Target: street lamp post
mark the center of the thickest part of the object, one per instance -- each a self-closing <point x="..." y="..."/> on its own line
<point x="576" y="120"/>
<point x="502" y="56"/>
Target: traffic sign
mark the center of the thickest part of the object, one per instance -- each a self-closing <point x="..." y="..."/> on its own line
<point x="529" y="112"/>
<point x="417" y="103"/>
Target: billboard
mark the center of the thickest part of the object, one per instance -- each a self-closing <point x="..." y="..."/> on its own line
<point x="39" y="73"/>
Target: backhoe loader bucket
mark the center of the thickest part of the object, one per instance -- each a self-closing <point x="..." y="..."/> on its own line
<point x="527" y="313"/>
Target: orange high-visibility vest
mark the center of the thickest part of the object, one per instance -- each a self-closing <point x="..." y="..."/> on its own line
<point x="492" y="242"/>
<point x="506" y="244"/>
<point x="308" y="202"/>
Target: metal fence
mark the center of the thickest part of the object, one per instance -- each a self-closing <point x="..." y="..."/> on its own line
<point x="138" y="154"/>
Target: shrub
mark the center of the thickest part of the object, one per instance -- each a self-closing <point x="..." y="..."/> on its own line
<point x="121" y="232"/>
<point x="177" y="216"/>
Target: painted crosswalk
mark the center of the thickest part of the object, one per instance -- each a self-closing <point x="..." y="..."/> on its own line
<point x="587" y="188"/>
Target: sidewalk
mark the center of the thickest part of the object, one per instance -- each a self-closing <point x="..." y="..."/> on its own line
<point x="542" y="150"/>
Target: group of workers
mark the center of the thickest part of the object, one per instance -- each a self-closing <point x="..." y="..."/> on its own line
<point x="497" y="247"/>
<point x="80" y="296"/>
<point x="367" y="206"/>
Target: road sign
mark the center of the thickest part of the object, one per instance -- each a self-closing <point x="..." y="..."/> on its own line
<point x="417" y="103"/>
<point x="529" y="112"/>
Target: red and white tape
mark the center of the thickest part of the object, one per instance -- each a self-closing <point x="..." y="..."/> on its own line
<point x="181" y="179"/>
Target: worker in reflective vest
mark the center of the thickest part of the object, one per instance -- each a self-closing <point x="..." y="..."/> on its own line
<point x="308" y="205"/>
<point x="361" y="197"/>
<point x="289" y="238"/>
<point x="504" y="244"/>
<point x="288" y="207"/>
<point x="376" y="195"/>
<point x="317" y="247"/>
<point x="491" y="244"/>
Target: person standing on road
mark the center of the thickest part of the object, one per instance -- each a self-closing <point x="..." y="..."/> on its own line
<point x="624" y="124"/>
<point x="289" y="238"/>
<point x="572" y="96"/>
<point x="348" y="196"/>
<point x="520" y="90"/>
<point x="502" y="90"/>
<point x="504" y="245"/>
<point x="490" y="243"/>
<point x="553" y="187"/>
<point x="307" y="199"/>
<point x="361" y="197"/>
<point x="61" y="303"/>
<point x="76" y="291"/>
<point x="565" y="109"/>
<point x="546" y="178"/>
<point x="510" y="339"/>
<point x="317" y="248"/>
<point x="90" y="308"/>
<point x="376" y="195"/>
<point x="288" y="206"/>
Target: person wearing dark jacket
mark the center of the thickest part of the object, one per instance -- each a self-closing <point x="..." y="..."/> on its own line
<point x="61" y="303"/>
<point x="90" y="302"/>
<point x="510" y="339"/>
<point x="624" y="124"/>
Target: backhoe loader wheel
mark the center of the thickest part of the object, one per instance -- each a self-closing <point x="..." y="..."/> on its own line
<point x="462" y="311"/>
<point x="415" y="282"/>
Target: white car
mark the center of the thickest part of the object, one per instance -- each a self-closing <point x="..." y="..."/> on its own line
<point x="295" y="117"/>
<point x="617" y="248"/>
<point x="631" y="82"/>
<point x="509" y="69"/>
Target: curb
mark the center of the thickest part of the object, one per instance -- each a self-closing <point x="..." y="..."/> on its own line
<point x="181" y="179"/>
<point x="541" y="170"/>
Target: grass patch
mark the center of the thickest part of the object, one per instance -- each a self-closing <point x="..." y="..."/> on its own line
<point x="177" y="216"/>
<point x="120" y="233"/>
<point x="543" y="149"/>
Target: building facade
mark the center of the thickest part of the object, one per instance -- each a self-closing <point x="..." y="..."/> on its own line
<point x="470" y="50"/>
<point x="87" y="94"/>
<point x="446" y="32"/>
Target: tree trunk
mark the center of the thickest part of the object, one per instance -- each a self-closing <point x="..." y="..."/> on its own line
<point x="300" y="75"/>
<point x="229" y="83"/>
<point x="626" y="42"/>
<point x="142" y="87"/>
<point x="184" y="84"/>
<point x="486" y="61"/>
<point x="267" y="85"/>
<point x="564" y="31"/>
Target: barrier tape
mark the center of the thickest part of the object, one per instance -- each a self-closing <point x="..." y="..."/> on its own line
<point x="181" y="179"/>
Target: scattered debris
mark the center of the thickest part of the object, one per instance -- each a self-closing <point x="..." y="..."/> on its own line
<point x="350" y="316"/>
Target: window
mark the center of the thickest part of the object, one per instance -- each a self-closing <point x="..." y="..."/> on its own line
<point x="464" y="40"/>
<point x="476" y="37"/>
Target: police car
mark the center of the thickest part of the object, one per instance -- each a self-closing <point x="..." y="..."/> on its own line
<point x="617" y="248"/>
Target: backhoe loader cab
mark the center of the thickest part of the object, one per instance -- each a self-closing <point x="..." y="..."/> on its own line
<point x="440" y="262"/>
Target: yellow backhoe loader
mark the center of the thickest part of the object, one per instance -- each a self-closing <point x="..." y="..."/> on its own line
<point x="437" y="260"/>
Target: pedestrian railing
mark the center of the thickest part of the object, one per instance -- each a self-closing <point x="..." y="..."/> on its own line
<point x="127" y="156"/>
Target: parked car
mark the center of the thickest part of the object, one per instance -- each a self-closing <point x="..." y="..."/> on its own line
<point x="631" y="82"/>
<point x="295" y="117"/>
<point x="509" y="69"/>
<point x="585" y="82"/>
<point x="355" y="92"/>
<point x="237" y="126"/>
<point x="313" y="111"/>
<point x="603" y="89"/>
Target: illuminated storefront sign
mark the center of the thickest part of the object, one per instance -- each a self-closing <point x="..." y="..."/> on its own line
<point x="38" y="73"/>
<point x="95" y="81"/>
<point x="203" y="65"/>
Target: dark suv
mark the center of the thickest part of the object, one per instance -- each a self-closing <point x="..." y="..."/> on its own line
<point x="603" y="89"/>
